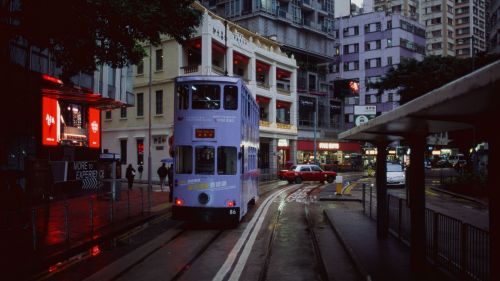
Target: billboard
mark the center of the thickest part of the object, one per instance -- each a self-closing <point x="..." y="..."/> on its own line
<point x="50" y="121"/>
<point x="94" y="128"/>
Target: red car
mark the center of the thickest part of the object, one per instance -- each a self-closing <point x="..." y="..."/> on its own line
<point x="306" y="172"/>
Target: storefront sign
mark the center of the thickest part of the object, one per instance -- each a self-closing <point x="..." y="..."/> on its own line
<point x="88" y="173"/>
<point x="282" y="143"/>
<point x="94" y="128"/>
<point x="50" y="121"/>
<point x="371" y="152"/>
<point x="363" y="113"/>
<point x="329" y="145"/>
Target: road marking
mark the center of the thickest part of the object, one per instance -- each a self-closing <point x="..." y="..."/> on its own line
<point x="251" y="230"/>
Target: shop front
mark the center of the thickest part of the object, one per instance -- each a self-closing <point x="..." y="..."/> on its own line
<point x="284" y="156"/>
<point x="330" y="155"/>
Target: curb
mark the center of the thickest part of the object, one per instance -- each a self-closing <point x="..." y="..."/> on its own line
<point x="350" y="252"/>
<point x="341" y="199"/>
<point x="459" y="195"/>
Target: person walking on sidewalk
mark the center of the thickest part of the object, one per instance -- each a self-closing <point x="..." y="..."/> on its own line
<point x="130" y="174"/>
<point x="162" y="173"/>
<point x="140" y="169"/>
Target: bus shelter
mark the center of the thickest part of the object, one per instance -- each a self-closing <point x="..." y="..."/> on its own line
<point x="468" y="103"/>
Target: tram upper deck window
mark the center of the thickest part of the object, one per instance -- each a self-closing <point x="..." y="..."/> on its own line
<point x="230" y="97"/>
<point x="226" y="160"/>
<point x="183" y="96"/>
<point x="205" y="160"/>
<point x="205" y="97"/>
<point x="184" y="157"/>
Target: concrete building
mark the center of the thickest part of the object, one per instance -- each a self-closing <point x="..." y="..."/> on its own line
<point x="270" y="74"/>
<point x="372" y="43"/>
<point x="407" y="8"/>
<point x="494" y="26"/>
<point x="470" y="27"/>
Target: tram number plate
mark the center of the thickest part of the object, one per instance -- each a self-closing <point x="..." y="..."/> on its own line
<point x="232" y="212"/>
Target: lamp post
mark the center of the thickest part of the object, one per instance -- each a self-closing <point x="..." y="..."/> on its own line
<point x="315" y="126"/>
<point x="149" y="124"/>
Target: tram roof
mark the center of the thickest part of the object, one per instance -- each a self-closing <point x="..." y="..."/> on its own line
<point x="211" y="78"/>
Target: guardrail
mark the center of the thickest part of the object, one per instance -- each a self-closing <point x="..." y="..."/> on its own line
<point x="460" y="248"/>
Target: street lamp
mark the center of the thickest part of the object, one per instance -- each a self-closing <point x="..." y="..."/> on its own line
<point x="149" y="124"/>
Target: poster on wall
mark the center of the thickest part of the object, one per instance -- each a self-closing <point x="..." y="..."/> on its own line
<point x="94" y="128"/>
<point x="88" y="172"/>
<point x="50" y="121"/>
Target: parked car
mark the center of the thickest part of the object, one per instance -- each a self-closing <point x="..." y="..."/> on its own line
<point x="395" y="175"/>
<point x="457" y="161"/>
<point x="307" y="172"/>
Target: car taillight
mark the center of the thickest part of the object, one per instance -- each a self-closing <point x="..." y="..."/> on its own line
<point x="179" y="202"/>
<point x="230" y="203"/>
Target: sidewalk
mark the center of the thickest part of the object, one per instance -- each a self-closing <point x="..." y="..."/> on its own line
<point x="378" y="259"/>
<point x="69" y="227"/>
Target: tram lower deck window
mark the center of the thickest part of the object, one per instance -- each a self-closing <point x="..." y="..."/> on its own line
<point x="226" y="160"/>
<point x="205" y="160"/>
<point x="184" y="159"/>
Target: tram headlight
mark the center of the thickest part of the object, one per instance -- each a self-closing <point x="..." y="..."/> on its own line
<point x="179" y="201"/>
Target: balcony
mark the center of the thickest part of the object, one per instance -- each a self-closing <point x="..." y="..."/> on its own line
<point x="191" y="69"/>
<point x="263" y="85"/>
<point x="217" y="69"/>
<point x="284" y="126"/>
<point x="264" y="123"/>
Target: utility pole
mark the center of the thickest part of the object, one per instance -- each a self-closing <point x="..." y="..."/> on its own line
<point x="149" y="124"/>
<point x="315" y="126"/>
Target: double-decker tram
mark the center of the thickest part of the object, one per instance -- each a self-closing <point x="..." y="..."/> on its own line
<point x="216" y="127"/>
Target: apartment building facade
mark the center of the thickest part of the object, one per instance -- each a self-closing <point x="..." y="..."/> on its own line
<point x="494" y="26"/>
<point x="270" y="74"/>
<point x="372" y="43"/>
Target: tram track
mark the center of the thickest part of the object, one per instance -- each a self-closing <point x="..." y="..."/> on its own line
<point x="310" y="226"/>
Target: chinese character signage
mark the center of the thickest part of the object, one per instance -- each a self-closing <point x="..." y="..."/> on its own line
<point x="50" y="121"/>
<point x="94" y="128"/>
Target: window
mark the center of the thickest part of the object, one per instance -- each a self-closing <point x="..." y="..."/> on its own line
<point x="159" y="102"/>
<point x="390" y="97"/>
<point x="140" y="68"/>
<point x="389" y="60"/>
<point x="305" y="169"/>
<point x="123" y="112"/>
<point x="389" y="24"/>
<point x="230" y="97"/>
<point x="123" y="152"/>
<point x="184" y="157"/>
<point x="226" y="160"/>
<point x="367" y="99"/>
<point x="108" y="114"/>
<point x="140" y="104"/>
<point x="389" y="42"/>
<point x="140" y="151"/>
<point x="159" y="59"/>
<point x="205" y="97"/>
<point x="182" y="96"/>
<point x="204" y="160"/>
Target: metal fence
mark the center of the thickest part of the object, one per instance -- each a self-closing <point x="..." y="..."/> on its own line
<point x="460" y="248"/>
<point x="57" y="223"/>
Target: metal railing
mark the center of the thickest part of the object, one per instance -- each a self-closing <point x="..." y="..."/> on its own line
<point x="460" y="248"/>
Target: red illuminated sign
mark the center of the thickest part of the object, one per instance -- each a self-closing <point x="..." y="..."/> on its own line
<point x="50" y="121"/>
<point x="94" y="128"/>
<point x="205" y="133"/>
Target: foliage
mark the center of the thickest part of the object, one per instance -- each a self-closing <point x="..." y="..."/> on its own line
<point x="84" y="33"/>
<point x="414" y="78"/>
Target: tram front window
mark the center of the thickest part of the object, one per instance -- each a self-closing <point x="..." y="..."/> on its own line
<point x="184" y="157"/>
<point x="205" y="160"/>
<point x="230" y="97"/>
<point x="226" y="160"/>
<point x="205" y="97"/>
<point x="183" y="94"/>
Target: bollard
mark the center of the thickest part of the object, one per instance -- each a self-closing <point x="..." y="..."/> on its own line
<point x="111" y="209"/>
<point x="66" y="221"/>
<point x="338" y="186"/>
<point x="363" y="186"/>
<point x="33" y="226"/>
<point x="128" y="203"/>
<point x="91" y="215"/>
<point x="371" y="187"/>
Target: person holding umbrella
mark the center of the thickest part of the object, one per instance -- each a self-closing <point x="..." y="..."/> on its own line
<point x="162" y="173"/>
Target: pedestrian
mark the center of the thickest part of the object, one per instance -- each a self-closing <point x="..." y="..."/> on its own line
<point x="162" y="173"/>
<point x="140" y="169"/>
<point x="130" y="174"/>
<point x="170" y="174"/>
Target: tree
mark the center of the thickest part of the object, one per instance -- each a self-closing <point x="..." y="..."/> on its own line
<point x="414" y="78"/>
<point x="81" y="34"/>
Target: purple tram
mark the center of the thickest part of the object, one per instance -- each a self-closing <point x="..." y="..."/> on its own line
<point x="216" y="127"/>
